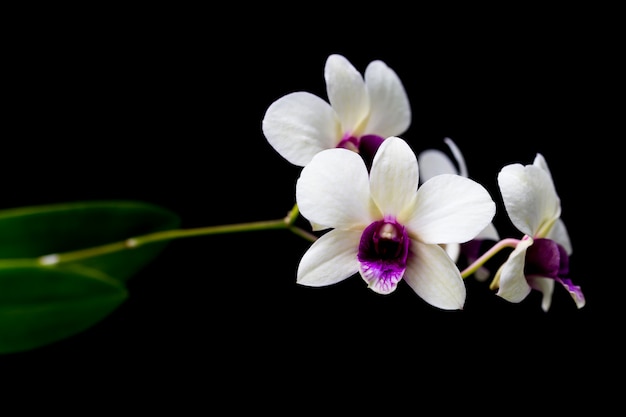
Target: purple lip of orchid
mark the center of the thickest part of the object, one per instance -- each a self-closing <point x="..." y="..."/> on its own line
<point x="366" y="146"/>
<point x="546" y="258"/>
<point x="384" y="250"/>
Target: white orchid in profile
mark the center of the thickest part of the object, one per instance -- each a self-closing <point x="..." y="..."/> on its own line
<point x="386" y="228"/>
<point x="434" y="162"/>
<point x="361" y="111"/>
<point x="541" y="257"/>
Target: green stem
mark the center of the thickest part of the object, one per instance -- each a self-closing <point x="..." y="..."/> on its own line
<point x="473" y="267"/>
<point x="167" y="235"/>
<point x="292" y="215"/>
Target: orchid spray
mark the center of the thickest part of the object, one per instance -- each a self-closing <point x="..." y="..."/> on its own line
<point x="373" y="209"/>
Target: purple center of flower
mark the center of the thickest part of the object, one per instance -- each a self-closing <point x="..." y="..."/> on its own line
<point x="366" y="146"/>
<point x="546" y="258"/>
<point x="383" y="253"/>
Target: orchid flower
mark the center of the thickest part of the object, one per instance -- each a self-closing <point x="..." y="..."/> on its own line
<point x="386" y="228"/>
<point x="541" y="257"/>
<point x="434" y="162"/>
<point x="361" y="111"/>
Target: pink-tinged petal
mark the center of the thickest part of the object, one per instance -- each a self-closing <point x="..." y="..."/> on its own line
<point x="394" y="176"/>
<point x="347" y="93"/>
<point x="333" y="190"/>
<point x="546" y="287"/>
<point x="574" y="291"/>
<point x="450" y="209"/>
<point x="299" y="125"/>
<point x="530" y="198"/>
<point x="330" y="259"/>
<point x="559" y="234"/>
<point x="434" y="162"/>
<point x="512" y="281"/>
<point x="435" y="277"/>
<point x="390" y="112"/>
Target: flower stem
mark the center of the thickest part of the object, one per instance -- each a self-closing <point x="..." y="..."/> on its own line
<point x="167" y="235"/>
<point x="473" y="267"/>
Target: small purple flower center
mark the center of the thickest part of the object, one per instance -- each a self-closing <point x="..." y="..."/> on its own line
<point x="546" y="258"/>
<point x="366" y="146"/>
<point x="383" y="253"/>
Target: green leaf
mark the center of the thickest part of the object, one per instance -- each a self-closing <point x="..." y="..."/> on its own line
<point x="31" y="232"/>
<point x="41" y="305"/>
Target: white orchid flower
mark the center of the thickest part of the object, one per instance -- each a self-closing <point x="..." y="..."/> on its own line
<point x="360" y="113"/>
<point x="386" y="228"/>
<point x="542" y="256"/>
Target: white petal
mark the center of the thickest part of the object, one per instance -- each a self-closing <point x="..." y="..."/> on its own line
<point x="316" y="227"/>
<point x="434" y="162"/>
<point x="346" y="92"/>
<point x="330" y="259"/>
<point x="540" y="162"/>
<point x="333" y="190"/>
<point x="489" y="233"/>
<point x="513" y="284"/>
<point x="450" y="209"/>
<point x="559" y="234"/>
<point x="299" y="125"/>
<point x="546" y="287"/>
<point x="458" y="156"/>
<point x="435" y="277"/>
<point x="529" y="197"/>
<point x="453" y="250"/>
<point x="390" y="112"/>
<point x="394" y="176"/>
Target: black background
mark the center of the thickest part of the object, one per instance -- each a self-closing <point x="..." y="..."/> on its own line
<point x="167" y="109"/>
